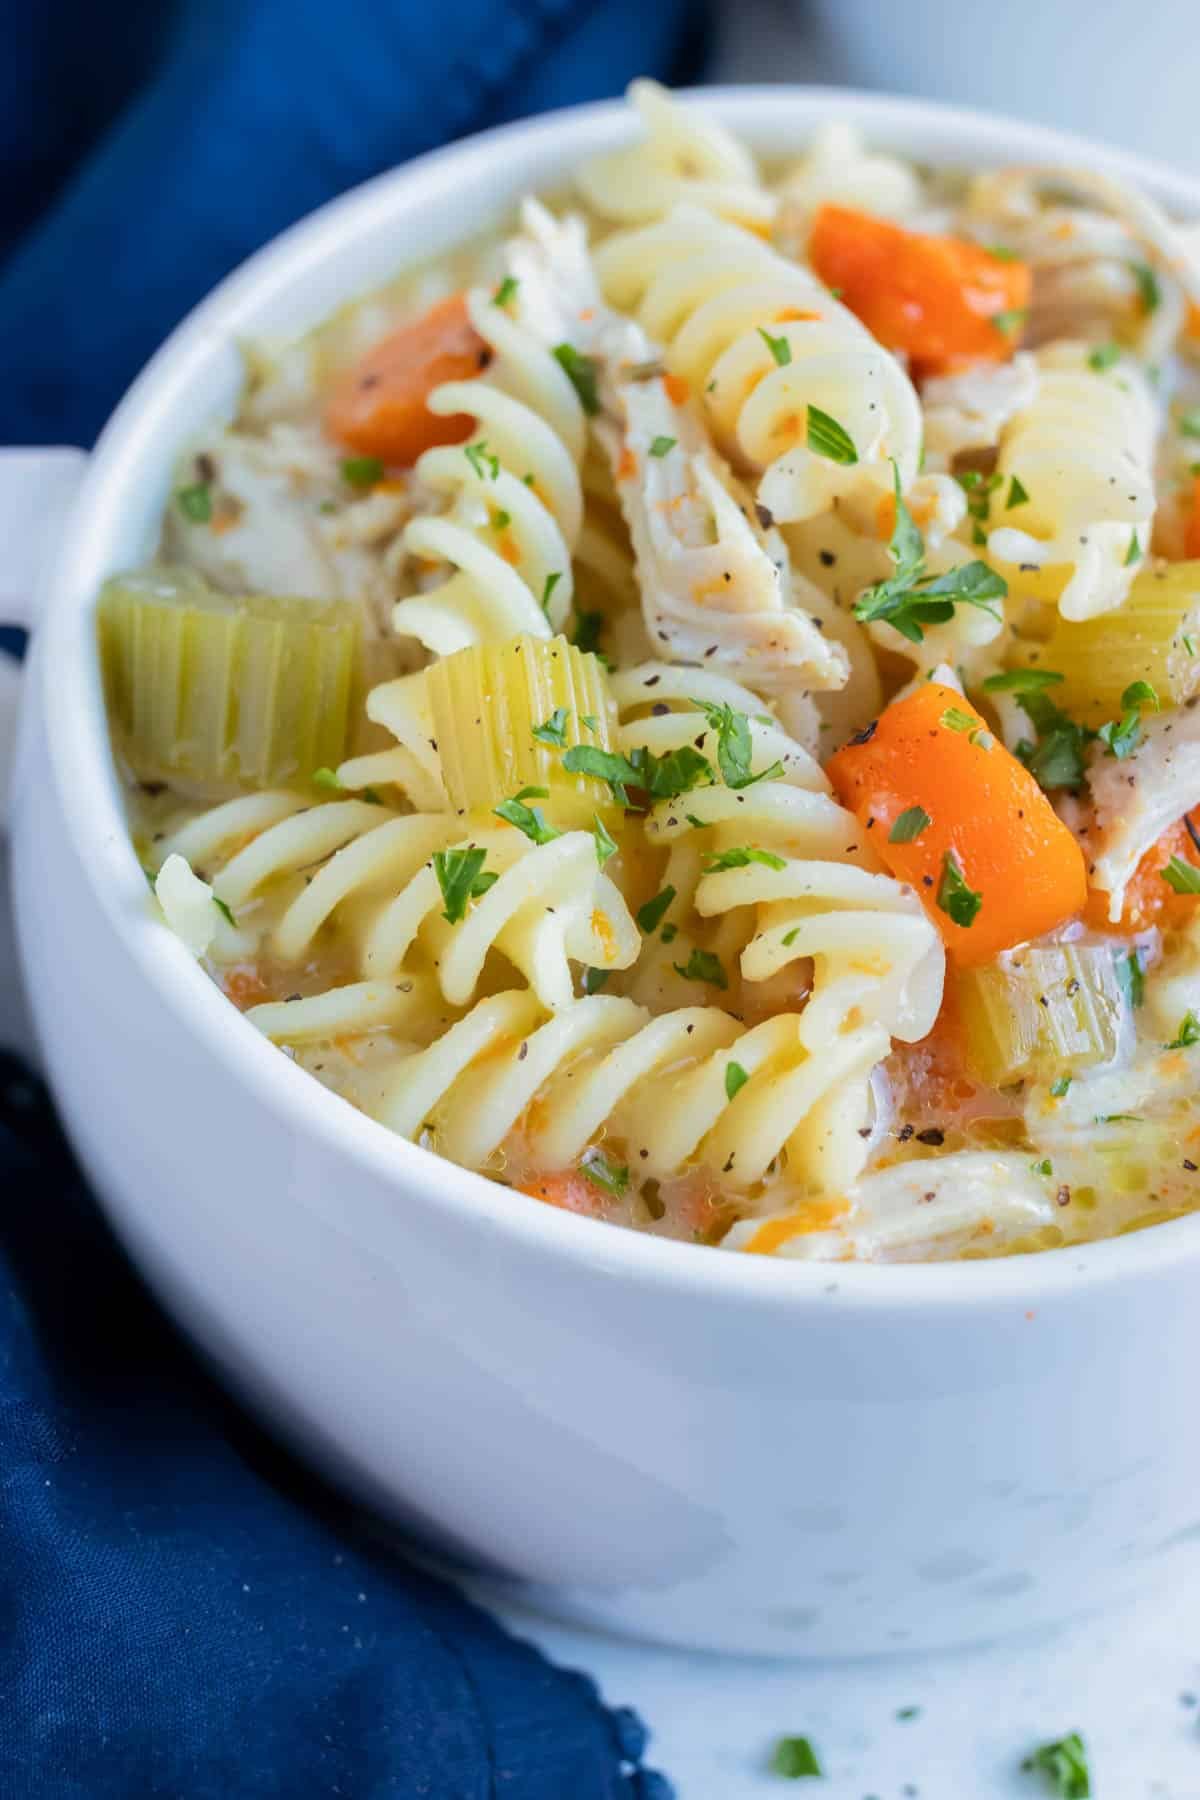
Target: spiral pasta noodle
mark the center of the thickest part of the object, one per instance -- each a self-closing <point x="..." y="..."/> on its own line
<point x="1083" y="452"/>
<point x="761" y="340"/>
<point x="548" y="904"/>
<point x="682" y="156"/>
<point x="605" y="1068"/>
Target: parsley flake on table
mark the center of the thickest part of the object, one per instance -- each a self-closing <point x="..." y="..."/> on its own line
<point x="461" y="877"/>
<point x="1064" y="1762"/>
<point x="794" y="1758"/>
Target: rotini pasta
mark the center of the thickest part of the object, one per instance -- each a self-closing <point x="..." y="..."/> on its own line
<point x="1082" y="454"/>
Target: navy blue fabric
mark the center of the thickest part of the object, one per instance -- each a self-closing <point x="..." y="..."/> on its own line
<point x="239" y="116"/>
<point x="182" y="1612"/>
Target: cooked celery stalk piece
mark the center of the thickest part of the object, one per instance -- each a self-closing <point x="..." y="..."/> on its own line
<point x="1154" y="637"/>
<point x="505" y="714"/>
<point x="225" y="691"/>
<point x="1041" y="1013"/>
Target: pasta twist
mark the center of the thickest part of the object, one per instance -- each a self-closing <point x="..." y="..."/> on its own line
<point x="876" y="957"/>
<point x="1083" y="452"/>
<point x="604" y="1068"/>
<point x="516" y="501"/>
<point x="760" y="340"/>
<point x="548" y="906"/>
<point x="682" y="156"/>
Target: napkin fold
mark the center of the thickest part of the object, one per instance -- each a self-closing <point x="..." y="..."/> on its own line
<point x="183" y="1612"/>
<point x="249" y="114"/>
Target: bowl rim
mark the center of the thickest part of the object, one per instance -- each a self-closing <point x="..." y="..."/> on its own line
<point x="66" y="667"/>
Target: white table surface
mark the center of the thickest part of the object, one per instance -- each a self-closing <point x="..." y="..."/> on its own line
<point x="1127" y="1682"/>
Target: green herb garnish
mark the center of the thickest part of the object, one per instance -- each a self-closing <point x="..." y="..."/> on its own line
<point x="662" y="777"/>
<point x="741" y="859"/>
<point x="735" y="1079"/>
<point x="779" y="347"/>
<point x="505" y="292"/>
<point x="661" y="445"/>
<point x="595" y="979"/>
<point x="1018" y="494"/>
<point x="829" y="439"/>
<point x="1011" y="320"/>
<point x="551" y="583"/>
<point x="1122" y="736"/>
<point x="958" y="901"/>
<point x="1188" y="1033"/>
<point x="1134" y="552"/>
<point x="225" y="912"/>
<point x="327" y="778"/>
<point x="1064" y="1762"/>
<point x="1149" y="291"/>
<point x="703" y="965"/>
<point x="734" y="745"/>
<point x="1103" y="357"/>
<point x="588" y="627"/>
<point x="581" y="372"/>
<point x="1021" y="681"/>
<point x="909" y="600"/>
<point x="955" y="719"/>
<point x="907" y="828"/>
<point x="361" y="471"/>
<point x="554" y="729"/>
<point x="1189" y="422"/>
<point x="481" y="459"/>
<point x="195" y="502"/>
<point x="529" y="819"/>
<point x="606" y="844"/>
<point x="461" y="877"/>
<point x="650" y="916"/>
<point x="795" y="1758"/>
<point x="1131" y="978"/>
<point x="612" y="1177"/>
<point x="1182" y="877"/>
<point x="1060" y="1087"/>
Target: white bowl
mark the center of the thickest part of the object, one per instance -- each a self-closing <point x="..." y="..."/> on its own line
<point x="675" y="1442"/>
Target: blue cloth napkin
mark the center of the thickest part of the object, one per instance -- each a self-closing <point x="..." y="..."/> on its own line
<point x="250" y="113"/>
<point x="182" y="1612"/>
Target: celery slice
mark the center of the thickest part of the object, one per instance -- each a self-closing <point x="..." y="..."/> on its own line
<point x="1042" y="1012"/>
<point x="225" y="691"/>
<point x="1153" y="637"/>
<point x="488" y="701"/>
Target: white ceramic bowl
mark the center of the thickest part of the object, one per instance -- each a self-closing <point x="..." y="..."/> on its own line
<point x="682" y="1444"/>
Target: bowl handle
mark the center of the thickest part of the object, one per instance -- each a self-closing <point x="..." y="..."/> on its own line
<point x="37" y="490"/>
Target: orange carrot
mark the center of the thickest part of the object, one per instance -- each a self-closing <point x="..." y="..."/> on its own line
<point x="994" y="864"/>
<point x="1149" y="900"/>
<point x="568" y="1189"/>
<point x="378" y="407"/>
<point x="944" y="300"/>
<point x="1191" y="534"/>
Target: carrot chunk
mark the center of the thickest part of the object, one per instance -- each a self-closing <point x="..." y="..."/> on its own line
<point x="945" y="301"/>
<point x="378" y="406"/>
<point x="951" y="811"/>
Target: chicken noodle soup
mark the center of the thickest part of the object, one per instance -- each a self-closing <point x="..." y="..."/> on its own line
<point x="688" y="708"/>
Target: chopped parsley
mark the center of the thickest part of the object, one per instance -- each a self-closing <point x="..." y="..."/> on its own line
<point x="554" y="729"/>
<point x="580" y="371"/>
<point x="1065" y="1763"/>
<point x="1044" y="1168"/>
<point x="501" y="520"/>
<point x="612" y="1177"/>
<point x="1103" y="357"/>
<point x="909" y="825"/>
<point x="606" y="844"/>
<point x="795" y="1758"/>
<point x="1061" y="1087"/>
<point x="1134" y="552"/>
<point x="481" y="459"/>
<point x="1011" y="320"/>
<point x="958" y="901"/>
<point x="779" y="347"/>
<point x="1021" y="681"/>
<point x="703" y="965"/>
<point x="734" y="745"/>
<point x="661" y="445"/>
<point x="551" y="583"/>
<point x="327" y="778"/>
<point x="651" y="915"/>
<point x="1131" y="978"/>
<point x="225" y="912"/>
<point x="1188" y="1033"/>
<point x="361" y="471"/>
<point x="1122" y="736"/>
<point x="955" y="719"/>
<point x="595" y="979"/>
<point x="1182" y="877"/>
<point x="829" y="439"/>
<point x="741" y="859"/>
<point x="1055" y="758"/>
<point x="461" y="877"/>
<point x="533" y="793"/>
<point x="195" y="502"/>
<point x="662" y="777"/>
<point x="506" y="291"/>
<point x="910" y="599"/>
<point x="1149" y="291"/>
<point x="1189" y="422"/>
<point x="735" y="1079"/>
<point x="1018" y="494"/>
<point x="588" y="627"/>
<point x="529" y="819"/>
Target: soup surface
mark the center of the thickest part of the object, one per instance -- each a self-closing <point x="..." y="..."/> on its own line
<point x="688" y="707"/>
